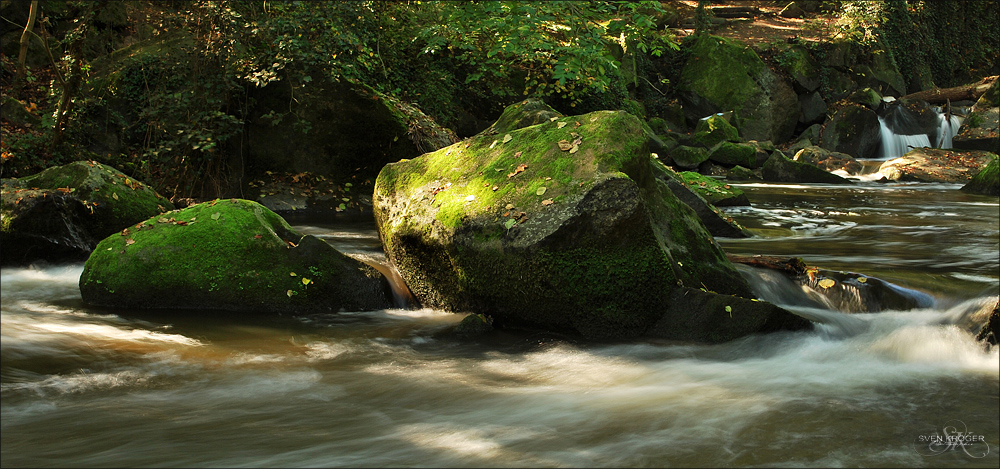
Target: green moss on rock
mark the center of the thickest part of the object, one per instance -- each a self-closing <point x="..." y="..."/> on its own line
<point x="227" y="255"/>
<point x="586" y="241"/>
<point x="715" y="192"/>
<point x="987" y="181"/>
<point x="733" y="154"/>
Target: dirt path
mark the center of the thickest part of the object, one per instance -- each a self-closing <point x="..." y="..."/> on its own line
<point x="768" y="26"/>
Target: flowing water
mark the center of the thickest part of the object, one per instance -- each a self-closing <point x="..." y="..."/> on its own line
<point x="83" y="386"/>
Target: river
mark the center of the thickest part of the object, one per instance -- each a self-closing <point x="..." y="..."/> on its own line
<point x="84" y="387"/>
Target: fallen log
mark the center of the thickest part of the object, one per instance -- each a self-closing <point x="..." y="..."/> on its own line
<point x="970" y="92"/>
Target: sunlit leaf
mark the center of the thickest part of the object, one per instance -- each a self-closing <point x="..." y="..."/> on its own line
<point x="507" y="138"/>
<point x="114" y="196"/>
<point x="862" y="279"/>
<point x="509" y="207"/>
<point x="215" y="216"/>
<point x="553" y="118"/>
<point x="493" y="144"/>
<point x="560" y="125"/>
<point x="291" y="292"/>
<point x="827" y="283"/>
<point x="306" y="281"/>
<point x="292" y="274"/>
<point x="509" y="223"/>
<point x="129" y="242"/>
<point x="540" y="191"/>
<point x="518" y="154"/>
<point x="547" y="202"/>
<point x="574" y="149"/>
<point x="564" y="145"/>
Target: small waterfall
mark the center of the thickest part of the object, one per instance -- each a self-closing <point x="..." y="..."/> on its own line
<point x="902" y="129"/>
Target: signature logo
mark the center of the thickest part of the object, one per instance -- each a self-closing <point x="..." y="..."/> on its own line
<point x="954" y="436"/>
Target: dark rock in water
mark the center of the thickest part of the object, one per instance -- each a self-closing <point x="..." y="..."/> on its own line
<point x="828" y="160"/>
<point x="796" y="284"/>
<point x="979" y="131"/>
<point x="474" y="324"/>
<point x="559" y="227"/>
<point x="990" y="331"/>
<point x="720" y="318"/>
<point x="936" y="165"/>
<point x="987" y="181"/>
<point x="856" y="293"/>
<point x="853" y="130"/>
<point x="61" y="213"/>
<point x="232" y="255"/>
<point x="779" y="168"/>
<point x="739" y="173"/>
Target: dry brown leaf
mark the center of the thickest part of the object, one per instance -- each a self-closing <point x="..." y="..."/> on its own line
<point x="564" y="145"/>
<point x="547" y="202"/>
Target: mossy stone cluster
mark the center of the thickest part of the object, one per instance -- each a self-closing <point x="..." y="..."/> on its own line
<point x="987" y="181"/>
<point x="780" y="168"/>
<point x="579" y="237"/>
<point x="61" y="213"/>
<point x="231" y="255"/>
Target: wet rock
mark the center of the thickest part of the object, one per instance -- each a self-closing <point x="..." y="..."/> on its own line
<point x="828" y="160"/>
<point x="588" y="243"/>
<point x="990" y="331"/>
<point x="232" y="255"/>
<point x="936" y="165"/>
<point x="779" y="168"/>
<point x="474" y="324"/>
<point x="63" y="212"/>
<point x="732" y="154"/>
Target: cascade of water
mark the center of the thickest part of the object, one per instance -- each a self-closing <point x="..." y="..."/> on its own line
<point x="895" y="144"/>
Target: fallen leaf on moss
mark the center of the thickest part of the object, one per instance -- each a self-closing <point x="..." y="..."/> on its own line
<point x="560" y="125"/>
<point x="547" y="202"/>
<point x="540" y="191"/>
<point x="507" y="138"/>
<point x="493" y="144"/>
<point x="509" y="223"/>
<point x="215" y="216"/>
<point x="257" y="236"/>
<point x="564" y="145"/>
<point x="509" y="207"/>
<point x="129" y="242"/>
<point x="518" y="154"/>
<point x="291" y="292"/>
<point x="292" y="274"/>
<point x="574" y="149"/>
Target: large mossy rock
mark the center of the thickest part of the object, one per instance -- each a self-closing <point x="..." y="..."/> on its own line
<point x="233" y="255"/>
<point x="579" y="238"/>
<point x="725" y="75"/>
<point x="63" y="212"/>
<point x="987" y="181"/>
<point x="523" y="114"/>
<point x="854" y="130"/>
<point x="828" y="160"/>
<point x="780" y="168"/>
<point x="936" y="165"/>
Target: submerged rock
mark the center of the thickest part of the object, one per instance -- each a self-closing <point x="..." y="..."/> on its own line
<point x="233" y="255"/>
<point x="63" y="212"/>
<point x="559" y="226"/>
<point x="936" y="165"/>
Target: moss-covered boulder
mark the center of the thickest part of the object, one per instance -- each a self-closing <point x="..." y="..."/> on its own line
<point x="551" y="226"/>
<point x="936" y="165"/>
<point x="733" y="154"/>
<point x="523" y="114"/>
<point x="233" y="255"/>
<point x="987" y="181"/>
<point x="739" y="173"/>
<point x="726" y="75"/>
<point x="688" y="157"/>
<point x="714" y="130"/>
<point x="780" y="168"/>
<point x="714" y="191"/>
<point x="693" y="195"/>
<point x="63" y="212"/>
<point x="854" y="130"/>
<point x="796" y="60"/>
<point x="828" y="160"/>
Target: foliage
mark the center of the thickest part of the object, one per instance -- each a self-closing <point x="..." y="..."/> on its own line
<point x="949" y="37"/>
<point x="559" y="48"/>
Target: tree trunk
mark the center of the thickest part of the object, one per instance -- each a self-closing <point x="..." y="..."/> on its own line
<point x="25" y="37"/>
<point x="958" y="93"/>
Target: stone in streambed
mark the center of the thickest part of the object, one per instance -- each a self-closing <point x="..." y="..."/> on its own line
<point x="233" y="255"/>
